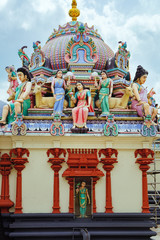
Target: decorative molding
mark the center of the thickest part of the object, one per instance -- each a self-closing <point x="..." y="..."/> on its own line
<point x="82" y="162"/>
<point x="148" y="129"/>
<point x="19" y="127"/>
<point x="57" y="128"/>
<point x="56" y="144"/>
<point x="109" y="144"/>
<point x="145" y="144"/>
<point x="110" y="128"/>
<point x="18" y="144"/>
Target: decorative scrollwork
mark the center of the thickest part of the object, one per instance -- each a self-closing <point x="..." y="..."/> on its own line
<point x="19" y="127"/>
<point x="110" y="128"/>
<point x="148" y="129"/>
<point x="57" y="128"/>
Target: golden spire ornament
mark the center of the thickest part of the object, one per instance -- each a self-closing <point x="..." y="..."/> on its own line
<point x="74" y="11"/>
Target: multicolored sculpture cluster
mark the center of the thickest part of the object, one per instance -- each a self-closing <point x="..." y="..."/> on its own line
<point x="37" y="58"/>
<point x="122" y="56"/>
<point x="83" y="92"/>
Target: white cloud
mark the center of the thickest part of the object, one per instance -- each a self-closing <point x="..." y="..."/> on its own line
<point x="144" y="23"/>
<point x="26" y="25"/>
<point x="43" y="7"/>
<point x="3" y="3"/>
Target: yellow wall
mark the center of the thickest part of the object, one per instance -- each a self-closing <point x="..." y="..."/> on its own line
<point x="37" y="177"/>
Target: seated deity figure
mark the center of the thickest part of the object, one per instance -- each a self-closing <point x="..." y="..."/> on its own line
<point x="140" y="101"/>
<point x="58" y="87"/>
<point x="22" y="101"/>
<point x="83" y="100"/>
<point x="106" y="88"/>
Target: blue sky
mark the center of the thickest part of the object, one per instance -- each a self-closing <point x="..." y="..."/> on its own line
<point x="136" y="22"/>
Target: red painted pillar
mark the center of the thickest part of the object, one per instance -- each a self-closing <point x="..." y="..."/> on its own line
<point x="144" y="161"/>
<point x="108" y="162"/>
<point x="56" y="207"/>
<point x="5" y="169"/>
<point x="19" y="162"/>
<point x="56" y="166"/>
<point x="71" y="195"/>
<point x="94" y="194"/>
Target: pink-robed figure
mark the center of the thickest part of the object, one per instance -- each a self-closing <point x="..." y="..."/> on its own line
<point x="12" y="78"/>
<point x="80" y="113"/>
<point x="140" y="101"/>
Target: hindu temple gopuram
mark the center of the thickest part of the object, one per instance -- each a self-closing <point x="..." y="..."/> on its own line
<point x="76" y="141"/>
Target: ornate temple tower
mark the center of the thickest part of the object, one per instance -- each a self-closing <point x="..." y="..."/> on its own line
<point x="58" y="182"/>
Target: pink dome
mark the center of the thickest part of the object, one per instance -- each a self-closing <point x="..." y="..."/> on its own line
<point x="56" y="45"/>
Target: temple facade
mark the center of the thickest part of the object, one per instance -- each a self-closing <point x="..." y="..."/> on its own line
<point x="74" y="158"/>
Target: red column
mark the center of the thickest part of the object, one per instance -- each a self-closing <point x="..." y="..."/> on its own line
<point x="94" y="194"/>
<point x="19" y="162"/>
<point x="5" y="169"/>
<point x="108" y="162"/>
<point x="144" y="161"/>
<point x="71" y="195"/>
<point x="56" y="166"/>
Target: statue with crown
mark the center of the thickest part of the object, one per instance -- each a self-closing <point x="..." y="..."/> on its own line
<point x="76" y="141"/>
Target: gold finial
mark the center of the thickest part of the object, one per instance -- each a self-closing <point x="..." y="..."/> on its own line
<point x="74" y="11"/>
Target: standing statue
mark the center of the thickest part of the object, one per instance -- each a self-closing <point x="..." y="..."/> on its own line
<point x="12" y="79"/>
<point x="140" y="102"/>
<point x="83" y="196"/>
<point x="58" y="87"/>
<point x="106" y="88"/>
<point x="22" y="100"/>
<point x="23" y="56"/>
<point x="83" y="100"/>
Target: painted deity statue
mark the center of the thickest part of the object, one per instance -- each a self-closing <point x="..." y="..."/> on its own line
<point x="22" y="102"/>
<point x="12" y="79"/>
<point x="106" y="88"/>
<point x="23" y="56"/>
<point x="82" y="191"/>
<point x="58" y="87"/>
<point x="140" y="102"/>
<point x="83" y="100"/>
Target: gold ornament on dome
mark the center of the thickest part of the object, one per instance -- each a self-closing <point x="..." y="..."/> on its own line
<point x="74" y="11"/>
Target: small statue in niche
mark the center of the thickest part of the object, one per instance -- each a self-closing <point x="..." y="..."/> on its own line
<point x="106" y="88"/>
<point x="12" y="79"/>
<point x="140" y="102"/>
<point x="83" y="100"/>
<point x="82" y="192"/>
